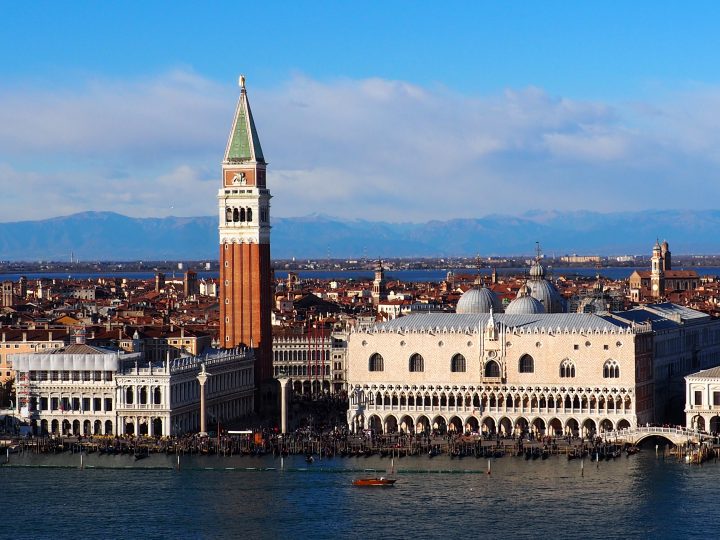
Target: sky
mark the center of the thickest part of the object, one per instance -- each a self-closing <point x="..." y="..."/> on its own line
<point x="394" y="111"/>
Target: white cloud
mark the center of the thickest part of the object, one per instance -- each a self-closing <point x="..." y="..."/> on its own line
<point x="373" y="149"/>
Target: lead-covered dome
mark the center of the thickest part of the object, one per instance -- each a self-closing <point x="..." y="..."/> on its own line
<point x="478" y="300"/>
<point x="525" y="304"/>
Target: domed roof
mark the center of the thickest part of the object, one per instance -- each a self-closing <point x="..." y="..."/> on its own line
<point x="524" y="305"/>
<point x="478" y="300"/>
<point x="537" y="271"/>
<point x="546" y="293"/>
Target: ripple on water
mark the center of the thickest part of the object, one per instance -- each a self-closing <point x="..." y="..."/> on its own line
<point x="628" y="498"/>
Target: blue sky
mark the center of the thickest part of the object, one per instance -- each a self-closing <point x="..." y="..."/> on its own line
<point x="401" y="111"/>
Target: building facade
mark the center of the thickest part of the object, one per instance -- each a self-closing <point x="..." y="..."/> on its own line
<point x="546" y="373"/>
<point x="85" y="390"/>
<point x="507" y="374"/>
<point x="702" y="400"/>
<point x="315" y="361"/>
<point x="244" y="214"/>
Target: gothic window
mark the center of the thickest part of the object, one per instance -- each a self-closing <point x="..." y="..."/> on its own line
<point x="376" y="363"/>
<point x="611" y="370"/>
<point x="417" y="363"/>
<point x="492" y="369"/>
<point x="526" y="364"/>
<point x="157" y="396"/>
<point x="129" y="396"/>
<point x="457" y="364"/>
<point x="567" y="369"/>
<point x="248" y="215"/>
<point x="236" y="215"/>
<point x="228" y="214"/>
<point x="242" y="214"/>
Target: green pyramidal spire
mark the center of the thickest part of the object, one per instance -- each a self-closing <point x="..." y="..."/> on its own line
<point x="244" y="144"/>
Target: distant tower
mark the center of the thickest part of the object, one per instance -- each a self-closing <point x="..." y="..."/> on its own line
<point x="23" y="287"/>
<point x="379" y="291"/>
<point x="159" y="281"/>
<point x="190" y="284"/>
<point x="244" y="207"/>
<point x="666" y="256"/>
<point x="494" y="276"/>
<point x="657" y="274"/>
<point x="8" y="296"/>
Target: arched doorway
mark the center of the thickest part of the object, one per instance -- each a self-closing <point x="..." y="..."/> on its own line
<point x="407" y="425"/>
<point x="623" y="424"/>
<point x="698" y="422"/>
<point x="108" y="427"/>
<point x="521" y="426"/>
<point x="97" y="427"/>
<point x="158" y="427"/>
<point x="76" y="427"/>
<point x="86" y="427"/>
<point x="455" y="425"/>
<point x="440" y="424"/>
<point x="488" y="425"/>
<point x="472" y="425"/>
<point x="505" y="426"/>
<point x="143" y="428"/>
<point x="589" y="428"/>
<point x="375" y="423"/>
<point x="55" y="427"/>
<point x="715" y="424"/>
<point x="423" y="424"/>
<point x="129" y="428"/>
<point x="538" y="427"/>
<point x="571" y="427"/>
<point x="391" y="424"/>
<point x="556" y="428"/>
<point x="43" y="427"/>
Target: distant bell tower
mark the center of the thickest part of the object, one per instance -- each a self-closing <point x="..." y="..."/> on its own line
<point x="657" y="274"/>
<point x="666" y="256"/>
<point x="244" y="212"/>
<point x="379" y="291"/>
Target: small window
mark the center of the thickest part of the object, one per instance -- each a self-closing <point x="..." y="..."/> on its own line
<point x="716" y="399"/>
<point x="376" y="363"/>
<point x="492" y="369"/>
<point x="698" y="397"/>
<point x="458" y="364"/>
<point x="576" y="346"/>
<point x="417" y="363"/>
<point x="526" y="364"/>
<point x="611" y="370"/>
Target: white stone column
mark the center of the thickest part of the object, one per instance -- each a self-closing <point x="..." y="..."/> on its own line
<point x="283" y="403"/>
<point x="202" y="379"/>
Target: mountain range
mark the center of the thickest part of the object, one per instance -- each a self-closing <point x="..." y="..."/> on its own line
<point x="111" y="236"/>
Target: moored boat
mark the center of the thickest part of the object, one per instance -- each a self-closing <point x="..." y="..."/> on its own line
<point x="379" y="481"/>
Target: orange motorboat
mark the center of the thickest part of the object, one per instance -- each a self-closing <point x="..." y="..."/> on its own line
<point x="376" y="481"/>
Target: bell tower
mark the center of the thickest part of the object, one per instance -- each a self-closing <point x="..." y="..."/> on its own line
<point x="244" y="214"/>
<point x="657" y="273"/>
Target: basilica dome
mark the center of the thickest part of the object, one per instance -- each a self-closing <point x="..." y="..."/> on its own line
<point x="478" y="300"/>
<point x="545" y="292"/>
<point x="525" y="304"/>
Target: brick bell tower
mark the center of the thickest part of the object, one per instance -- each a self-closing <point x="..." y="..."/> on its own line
<point x="244" y="206"/>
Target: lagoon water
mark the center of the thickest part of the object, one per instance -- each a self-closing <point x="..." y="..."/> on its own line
<point x="422" y="276"/>
<point x="252" y="497"/>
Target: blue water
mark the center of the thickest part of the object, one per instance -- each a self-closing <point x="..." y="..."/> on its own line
<point x="215" y="497"/>
<point x="402" y="275"/>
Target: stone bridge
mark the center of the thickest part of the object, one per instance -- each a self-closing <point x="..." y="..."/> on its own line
<point x="676" y="435"/>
